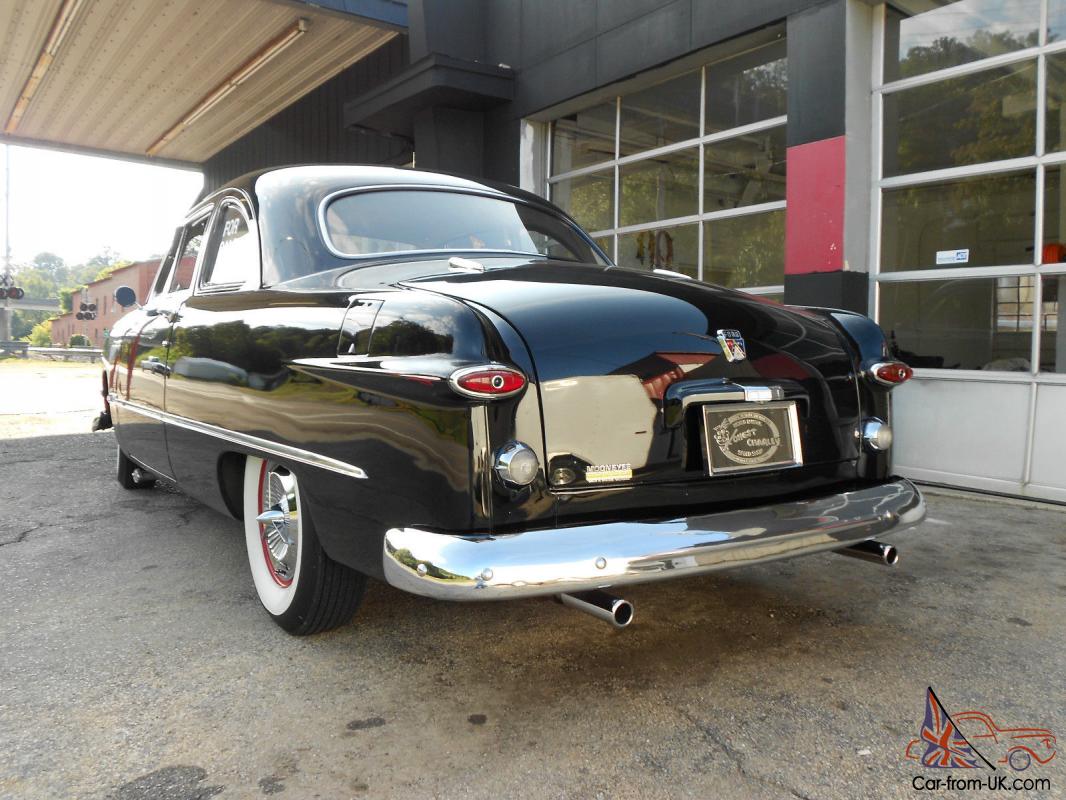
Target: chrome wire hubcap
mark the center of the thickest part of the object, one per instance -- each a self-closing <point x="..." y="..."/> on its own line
<point x="279" y="521"/>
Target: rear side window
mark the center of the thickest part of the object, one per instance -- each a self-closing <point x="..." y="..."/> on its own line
<point x="234" y="256"/>
<point x="186" y="264"/>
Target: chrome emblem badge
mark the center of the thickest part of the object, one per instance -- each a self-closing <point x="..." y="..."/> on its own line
<point x="732" y="344"/>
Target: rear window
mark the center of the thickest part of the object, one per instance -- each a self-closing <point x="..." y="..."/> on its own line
<point x="379" y="223"/>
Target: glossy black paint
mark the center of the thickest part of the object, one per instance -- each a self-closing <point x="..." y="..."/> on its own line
<point x="352" y="364"/>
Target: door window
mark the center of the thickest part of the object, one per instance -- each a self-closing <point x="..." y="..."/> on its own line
<point x="186" y="263"/>
<point x="233" y="259"/>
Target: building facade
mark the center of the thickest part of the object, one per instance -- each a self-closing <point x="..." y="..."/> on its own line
<point x="138" y="276"/>
<point x="903" y="159"/>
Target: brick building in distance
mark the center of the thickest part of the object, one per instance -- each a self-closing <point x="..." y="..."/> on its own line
<point x="138" y="276"/>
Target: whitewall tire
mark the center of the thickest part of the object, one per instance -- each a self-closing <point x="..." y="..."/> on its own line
<point x="298" y="584"/>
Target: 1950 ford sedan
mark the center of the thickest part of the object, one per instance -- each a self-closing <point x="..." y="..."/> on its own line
<point x="446" y="385"/>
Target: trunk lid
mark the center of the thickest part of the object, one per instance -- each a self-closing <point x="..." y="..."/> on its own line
<point x="617" y="351"/>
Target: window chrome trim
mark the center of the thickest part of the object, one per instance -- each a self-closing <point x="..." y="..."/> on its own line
<point x="282" y="451"/>
<point x="323" y="230"/>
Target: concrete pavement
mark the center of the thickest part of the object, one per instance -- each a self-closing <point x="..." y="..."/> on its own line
<point x="135" y="661"/>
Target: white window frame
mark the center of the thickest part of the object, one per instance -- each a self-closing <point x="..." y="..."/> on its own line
<point x="1038" y="162"/>
<point x="700" y="217"/>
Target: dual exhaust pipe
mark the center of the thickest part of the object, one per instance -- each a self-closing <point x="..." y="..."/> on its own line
<point x="618" y="613"/>
<point x="615" y="611"/>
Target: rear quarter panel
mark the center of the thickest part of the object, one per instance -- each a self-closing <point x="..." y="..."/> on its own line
<point x="265" y="364"/>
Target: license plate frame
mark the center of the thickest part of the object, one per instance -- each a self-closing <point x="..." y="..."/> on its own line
<point x="740" y="437"/>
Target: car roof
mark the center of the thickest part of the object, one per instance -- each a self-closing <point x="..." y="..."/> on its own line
<point x="314" y="178"/>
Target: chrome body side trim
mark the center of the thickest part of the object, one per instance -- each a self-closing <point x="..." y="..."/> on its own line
<point x="282" y="451"/>
<point x="567" y="560"/>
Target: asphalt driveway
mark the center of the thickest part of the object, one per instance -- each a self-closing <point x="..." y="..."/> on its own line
<point x="135" y="661"/>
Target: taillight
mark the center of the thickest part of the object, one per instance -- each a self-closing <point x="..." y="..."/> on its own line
<point x="487" y="382"/>
<point x="890" y="373"/>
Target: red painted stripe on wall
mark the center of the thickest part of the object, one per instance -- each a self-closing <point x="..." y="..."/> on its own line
<point x="814" y="218"/>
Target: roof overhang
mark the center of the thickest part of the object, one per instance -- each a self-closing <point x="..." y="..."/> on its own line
<point x="175" y="81"/>
<point x="436" y="80"/>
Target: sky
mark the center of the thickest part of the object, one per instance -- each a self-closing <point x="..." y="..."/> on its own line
<point x="75" y="205"/>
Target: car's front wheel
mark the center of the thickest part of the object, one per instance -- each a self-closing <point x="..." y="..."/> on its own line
<point x="302" y="588"/>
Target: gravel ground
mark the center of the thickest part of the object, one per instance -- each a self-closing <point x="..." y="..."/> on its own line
<point x="136" y="662"/>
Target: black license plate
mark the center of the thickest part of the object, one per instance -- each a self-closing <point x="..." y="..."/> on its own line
<point x="747" y="437"/>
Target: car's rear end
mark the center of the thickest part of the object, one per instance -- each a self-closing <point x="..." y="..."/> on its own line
<point x="681" y="428"/>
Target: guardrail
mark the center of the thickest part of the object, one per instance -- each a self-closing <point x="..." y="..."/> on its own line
<point x="14" y="348"/>
<point x="65" y="353"/>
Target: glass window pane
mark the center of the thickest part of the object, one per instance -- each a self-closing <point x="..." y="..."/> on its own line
<point x="977" y="222"/>
<point x="960" y="324"/>
<point x="194" y="237"/>
<point x="744" y="171"/>
<point x="660" y="188"/>
<point x="663" y="114"/>
<point x="589" y="199"/>
<point x="983" y="117"/>
<point x="667" y="248"/>
<point x="746" y="89"/>
<point x="1053" y="326"/>
<point x="606" y="244"/>
<point x="236" y="257"/>
<point x="583" y="138"/>
<point x="957" y="33"/>
<point x="1054" y="250"/>
<point x="1055" y="125"/>
<point x="1056" y="20"/>
<point x="745" y="251"/>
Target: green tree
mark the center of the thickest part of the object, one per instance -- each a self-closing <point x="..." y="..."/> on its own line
<point x="79" y="340"/>
<point x="49" y="262"/>
<point x="23" y="322"/>
<point x="41" y="335"/>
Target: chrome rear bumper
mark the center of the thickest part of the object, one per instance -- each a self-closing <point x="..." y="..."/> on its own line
<point x="543" y="562"/>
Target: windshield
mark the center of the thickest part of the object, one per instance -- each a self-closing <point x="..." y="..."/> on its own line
<point x="384" y="222"/>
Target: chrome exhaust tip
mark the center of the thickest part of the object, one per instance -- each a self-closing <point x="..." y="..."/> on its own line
<point x="870" y="550"/>
<point x="613" y="610"/>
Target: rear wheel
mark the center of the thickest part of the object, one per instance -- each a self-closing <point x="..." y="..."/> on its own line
<point x="131" y="476"/>
<point x="302" y="588"/>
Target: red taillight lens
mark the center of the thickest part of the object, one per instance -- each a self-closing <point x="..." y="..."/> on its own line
<point x="891" y="373"/>
<point x="488" y="381"/>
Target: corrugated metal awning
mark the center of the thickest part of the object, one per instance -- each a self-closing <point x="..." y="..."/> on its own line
<point x="178" y="80"/>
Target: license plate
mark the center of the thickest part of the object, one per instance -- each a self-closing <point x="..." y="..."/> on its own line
<point x="747" y="437"/>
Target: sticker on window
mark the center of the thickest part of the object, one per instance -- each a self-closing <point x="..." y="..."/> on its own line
<point x="952" y="256"/>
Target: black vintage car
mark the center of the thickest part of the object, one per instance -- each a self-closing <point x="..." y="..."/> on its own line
<point x="446" y="385"/>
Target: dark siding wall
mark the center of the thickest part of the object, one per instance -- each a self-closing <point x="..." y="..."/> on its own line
<point x="311" y="131"/>
<point x="566" y="48"/>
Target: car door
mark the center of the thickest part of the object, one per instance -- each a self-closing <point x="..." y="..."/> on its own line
<point x="144" y="436"/>
<point x="212" y="357"/>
